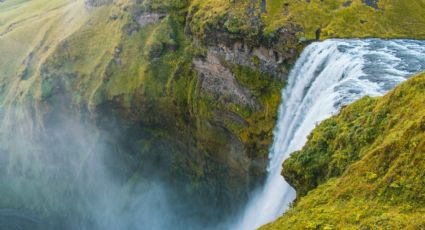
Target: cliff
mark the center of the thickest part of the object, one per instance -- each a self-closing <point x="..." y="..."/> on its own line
<point x="364" y="167"/>
<point x="188" y="89"/>
<point x="198" y="117"/>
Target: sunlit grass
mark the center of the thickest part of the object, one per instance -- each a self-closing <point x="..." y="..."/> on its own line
<point x="368" y="164"/>
<point x="30" y="32"/>
<point x="335" y="18"/>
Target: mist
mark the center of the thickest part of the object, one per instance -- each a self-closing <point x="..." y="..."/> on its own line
<point x="62" y="172"/>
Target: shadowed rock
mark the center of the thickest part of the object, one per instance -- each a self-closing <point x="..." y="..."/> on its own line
<point x="371" y="3"/>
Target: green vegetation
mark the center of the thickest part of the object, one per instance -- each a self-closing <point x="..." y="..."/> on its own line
<point x="349" y="19"/>
<point x="241" y="19"/>
<point x="334" y="18"/>
<point x="266" y="89"/>
<point x="106" y="63"/>
<point x="101" y="60"/>
<point x="364" y="168"/>
<point x="29" y="32"/>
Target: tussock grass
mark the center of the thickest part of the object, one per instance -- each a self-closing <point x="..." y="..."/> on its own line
<point x="363" y="168"/>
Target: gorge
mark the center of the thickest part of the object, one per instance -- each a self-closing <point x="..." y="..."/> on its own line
<point x="327" y="76"/>
<point x="178" y="114"/>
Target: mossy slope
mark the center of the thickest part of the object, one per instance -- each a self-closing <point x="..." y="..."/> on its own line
<point x="334" y="18"/>
<point x="99" y="62"/>
<point x="137" y="83"/>
<point x="364" y="168"/>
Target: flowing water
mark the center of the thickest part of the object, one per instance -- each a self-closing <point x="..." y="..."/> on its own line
<point x="327" y="76"/>
<point x="64" y="173"/>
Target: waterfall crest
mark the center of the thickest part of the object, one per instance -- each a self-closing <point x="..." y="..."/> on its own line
<point x="327" y="76"/>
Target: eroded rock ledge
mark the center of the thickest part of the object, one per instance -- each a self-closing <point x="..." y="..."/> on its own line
<point x="149" y="18"/>
<point x="221" y="83"/>
<point x="261" y="58"/>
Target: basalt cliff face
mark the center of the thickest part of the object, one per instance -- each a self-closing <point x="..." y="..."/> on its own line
<point x="183" y="90"/>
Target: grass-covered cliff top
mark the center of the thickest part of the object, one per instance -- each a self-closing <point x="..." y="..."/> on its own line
<point x="31" y="30"/>
<point x="136" y="58"/>
<point x="334" y="18"/>
<point x="364" y="168"/>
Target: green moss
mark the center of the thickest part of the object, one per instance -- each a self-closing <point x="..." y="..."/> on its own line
<point x="145" y="76"/>
<point x="105" y="63"/>
<point x="165" y="5"/>
<point x="163" y="37"/>
<point x="363" y="168"/>
<point x="257" y="135"/>
<point x="335" y="19"/>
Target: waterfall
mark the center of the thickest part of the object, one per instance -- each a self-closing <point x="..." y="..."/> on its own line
<point x="328" y="75"/>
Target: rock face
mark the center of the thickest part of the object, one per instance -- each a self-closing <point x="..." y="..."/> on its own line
<point x="220" y="81"/>
<point x="149" y="18"/>
<point x="96" y="3"/>
<point x="187" y="91"/>
<point x="196" y="117"/>
<point x="265" y="60"/>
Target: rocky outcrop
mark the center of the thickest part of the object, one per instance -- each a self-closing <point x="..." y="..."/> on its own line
<point x="266" y="60"/>
<point x="204" y="123"/>
<point x="221" y="83"/>
<point x="149" y="18"/>
<point x="96" y="3"/>
<point x="371" y="3"/>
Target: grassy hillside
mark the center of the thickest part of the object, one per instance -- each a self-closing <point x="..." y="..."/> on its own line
<point x="364" y="168"/>
<point x="136" y="81"/>
<point x="348" y="19"/>
<point x="334" y="18"/>
<point x="133" y="63"/>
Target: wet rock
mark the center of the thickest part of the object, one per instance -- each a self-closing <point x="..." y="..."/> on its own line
<point x="318" y="32"/>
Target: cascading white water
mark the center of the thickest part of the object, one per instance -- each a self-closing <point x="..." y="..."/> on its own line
<point x="328" y="75"/>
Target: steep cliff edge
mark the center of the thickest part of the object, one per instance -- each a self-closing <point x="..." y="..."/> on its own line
<point x="187" y="89"/>
<point x="363" y="168"/>
<point x="191" y="116"/>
